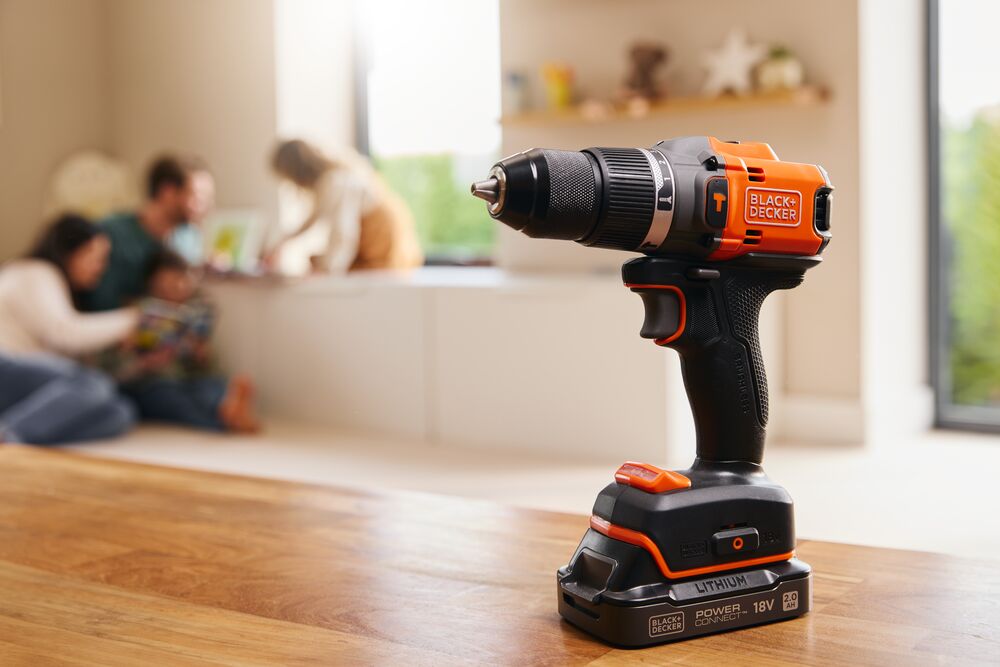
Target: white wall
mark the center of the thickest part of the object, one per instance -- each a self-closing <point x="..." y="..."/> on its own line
<point x="54" y="90"/>
<point x="197" y="76"/>
<point x="314" y="63"/>
<point x="133" y="78"/>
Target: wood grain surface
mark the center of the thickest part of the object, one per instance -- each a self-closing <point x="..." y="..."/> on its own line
<point x="112" y="563"/>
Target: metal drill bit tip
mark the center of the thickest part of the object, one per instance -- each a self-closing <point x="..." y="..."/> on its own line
<point x="488" y="190"/>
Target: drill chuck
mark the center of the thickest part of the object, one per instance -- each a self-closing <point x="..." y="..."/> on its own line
<point x="543" y="193"/>
<point x="602" y="197"/>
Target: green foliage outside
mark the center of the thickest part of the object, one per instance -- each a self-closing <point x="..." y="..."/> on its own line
<point x="971" y="201"/>
<point x="451" y="223"/>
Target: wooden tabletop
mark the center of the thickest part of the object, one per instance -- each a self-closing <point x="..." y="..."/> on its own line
<point x="112" y="563"/>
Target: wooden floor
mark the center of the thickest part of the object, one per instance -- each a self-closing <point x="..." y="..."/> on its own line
<point x="112" y="563"/>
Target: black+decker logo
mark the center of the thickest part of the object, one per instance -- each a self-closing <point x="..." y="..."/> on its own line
<point x="666" y="624"/>
<point x="766" y="206"/>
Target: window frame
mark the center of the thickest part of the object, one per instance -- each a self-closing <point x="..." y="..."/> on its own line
<point x="360" y="48"/>
<point x="947" y="414"/>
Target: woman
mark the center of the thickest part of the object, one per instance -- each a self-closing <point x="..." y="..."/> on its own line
<point x="46" y="397"/>
<point x="369" y="226"/>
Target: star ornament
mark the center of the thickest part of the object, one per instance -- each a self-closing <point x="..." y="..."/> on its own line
<point x="730" y="67"/>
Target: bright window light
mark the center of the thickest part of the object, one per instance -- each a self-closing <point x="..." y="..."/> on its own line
<point x="433" y="98"/>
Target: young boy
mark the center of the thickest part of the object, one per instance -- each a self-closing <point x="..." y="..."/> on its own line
<point x="175" y="320"/>
<point x="165" y="368"/>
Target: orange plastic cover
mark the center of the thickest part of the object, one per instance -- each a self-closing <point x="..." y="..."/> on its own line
<point x="649" y="478"/>
<point x="770" y="202"/>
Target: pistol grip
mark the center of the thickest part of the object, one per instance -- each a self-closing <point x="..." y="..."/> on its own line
<point x="709" y="312"/>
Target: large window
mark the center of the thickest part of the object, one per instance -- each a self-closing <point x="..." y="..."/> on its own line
<point x="430" y="81"/>
<point x="965" y="208"/>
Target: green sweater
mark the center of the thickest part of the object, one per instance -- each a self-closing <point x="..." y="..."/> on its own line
<point x="131" y="250"/>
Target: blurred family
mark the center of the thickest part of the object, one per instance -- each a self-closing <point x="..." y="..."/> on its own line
<point x="88" y="292"/>
<point x="103" y="325"/>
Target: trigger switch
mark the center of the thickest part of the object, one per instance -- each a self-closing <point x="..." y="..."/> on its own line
<point x="664" y="314"/>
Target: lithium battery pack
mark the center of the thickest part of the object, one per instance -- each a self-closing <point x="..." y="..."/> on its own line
<point x="673" y="555"/>
<point x="665" y="612"/>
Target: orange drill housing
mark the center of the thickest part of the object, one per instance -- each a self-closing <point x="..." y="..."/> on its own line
<point x="772" y="204"/>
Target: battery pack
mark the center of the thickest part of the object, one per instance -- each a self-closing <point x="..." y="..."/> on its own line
<point x="670" y="611"/>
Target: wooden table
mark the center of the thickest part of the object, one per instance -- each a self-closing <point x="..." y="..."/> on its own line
<point x="115" y="563"/>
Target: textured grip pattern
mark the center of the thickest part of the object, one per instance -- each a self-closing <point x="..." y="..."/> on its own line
<point x="744" y="299"/>
<point x="702" y="322"/>
<point x="572" y="187"/>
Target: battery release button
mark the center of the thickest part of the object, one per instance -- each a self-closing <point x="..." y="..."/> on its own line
<point x="735" y="541"/>
<point x="649" y="478"/>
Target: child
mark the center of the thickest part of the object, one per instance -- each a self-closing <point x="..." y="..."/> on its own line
<point x="165" y="368"/>
<point x="175" y="322"/>
<point x="368" y="226"/>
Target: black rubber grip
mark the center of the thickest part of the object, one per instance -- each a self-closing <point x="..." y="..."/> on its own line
<point x="719" y="347"/>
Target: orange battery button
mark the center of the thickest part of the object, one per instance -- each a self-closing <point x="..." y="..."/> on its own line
<point x="649" y="478"/>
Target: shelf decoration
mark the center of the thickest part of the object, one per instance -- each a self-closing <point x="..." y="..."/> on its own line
<point x="730" y="67"/>
<point x="780" y="71"/>
<point x="515" y="93"/>
<point x="558" y="80"/>
<point x="645" y="59"/>
<point x="740" y="75"/>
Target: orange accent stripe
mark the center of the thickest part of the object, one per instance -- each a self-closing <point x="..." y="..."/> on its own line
<point x="683" y="309"/>
<point x="641" y="540"/>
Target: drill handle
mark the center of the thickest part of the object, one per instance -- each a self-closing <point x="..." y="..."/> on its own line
<point x="708" y="312"/>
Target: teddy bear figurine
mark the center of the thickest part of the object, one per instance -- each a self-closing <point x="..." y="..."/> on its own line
<point x="645" y="59"/>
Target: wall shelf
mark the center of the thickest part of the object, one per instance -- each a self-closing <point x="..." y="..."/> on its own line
<point x="803" y="97"/>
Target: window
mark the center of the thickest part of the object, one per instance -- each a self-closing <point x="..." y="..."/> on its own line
<point x="964" y="118"/>
<point x="430" y="81"/>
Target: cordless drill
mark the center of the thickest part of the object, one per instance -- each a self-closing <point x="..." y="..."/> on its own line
<point x="675" y="554"/>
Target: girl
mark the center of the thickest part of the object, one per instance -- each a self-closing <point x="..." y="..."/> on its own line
<point x="369" y="225"/>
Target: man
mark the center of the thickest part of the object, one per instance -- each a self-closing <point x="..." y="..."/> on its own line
<point x="187" y="239"/>
<point x="180" y="192"/>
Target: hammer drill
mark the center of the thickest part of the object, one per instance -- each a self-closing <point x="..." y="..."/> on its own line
<point x="675" y="554"/>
